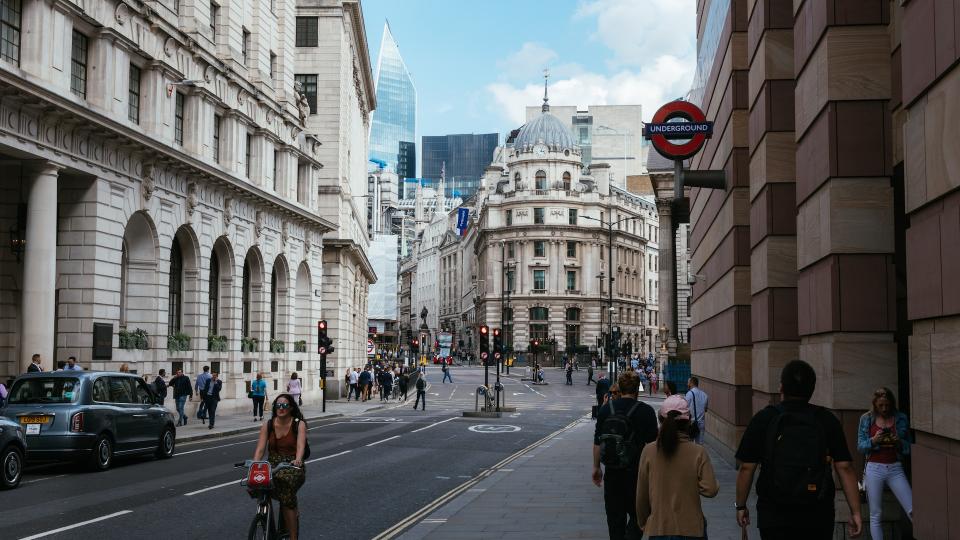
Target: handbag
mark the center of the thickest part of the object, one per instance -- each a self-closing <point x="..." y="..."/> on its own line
<point x="250" y="394"/>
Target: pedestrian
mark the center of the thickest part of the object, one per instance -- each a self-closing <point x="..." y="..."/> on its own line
<point x="794" y="443"/>
<point x="404" y="385"/>
<point x="181" y="392"/>
<point x="295" y="388"/>
<point x="364" y="382"/>
<point x="590" y="375"/>
<point x="124" y="368"/>
<point x="421" y="393"/>
<point x="201" y="386"/>
<point x="346" y="383"/>
<point x="884" y="440"/>
<point x="34" y="364"/>
<point x="386" y="381"/>
<point x="603" y="387"/>
<point x="160" y="386"/>
<point x="72" y="364"/>
<point x="569" y="374"/>
<point x="3" y="394"/>
<point x="212" y="396"/>
<point x="653" y="382"/>
<point x="698" y="401"/>
<point x="446" y="373"/>
<point x="258" y="393"/>
<point x="624" y="426"/>
<point x="673" y="474"/>
<point x="283" y="439"/>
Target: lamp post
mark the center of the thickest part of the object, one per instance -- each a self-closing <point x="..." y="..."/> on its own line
<point x="610" y="224"/>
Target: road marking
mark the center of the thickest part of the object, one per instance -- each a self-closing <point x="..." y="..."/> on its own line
<point x="434" y="520"/>
<point x="42" y="479"/>
<point x="443" y="478"/>
<point x="384" y="440"/>
<point x="328" y="457"/>
<point x="218" y="486"/>
<point x="493" y="428"/>
<point x="214" y="447"/>
<point x="434" y="424"/>
<point x="452" y="393"/>
<point x="75" y="525"/>
<point x="534" y="391"/>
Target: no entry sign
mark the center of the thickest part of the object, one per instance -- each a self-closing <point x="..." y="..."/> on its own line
<point x="695" y="131"/>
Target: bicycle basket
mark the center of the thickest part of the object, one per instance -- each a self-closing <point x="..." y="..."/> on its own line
<point x="260" y="476"/>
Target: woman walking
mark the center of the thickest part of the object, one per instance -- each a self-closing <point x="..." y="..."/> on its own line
<point x="258" y="393"/>
<point x="884" y="439"/>
<point x="295" y="388"/>
<point x="284" y="439"/>
<point x="674" y="473"/>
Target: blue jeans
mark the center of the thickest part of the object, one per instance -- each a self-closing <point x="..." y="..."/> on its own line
<point x="446" y="375"/>
<point x="878" y="475"/>
<point x="181" y="402"/>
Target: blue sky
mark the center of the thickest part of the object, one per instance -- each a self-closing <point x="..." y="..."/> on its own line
<point x="476" y="64"/>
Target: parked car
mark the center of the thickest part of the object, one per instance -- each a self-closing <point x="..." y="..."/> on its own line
<point x="89" y="416"/>
<point x="12" y="451"/>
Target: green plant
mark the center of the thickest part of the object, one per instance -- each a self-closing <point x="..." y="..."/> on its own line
<point x="248" y="344"/>
<point x="216" y="343"/>
<point x="276" y="345"/>
<point x="179" y="341"/>
<point x="300" y="346"/>
<point x="136" y="339"/>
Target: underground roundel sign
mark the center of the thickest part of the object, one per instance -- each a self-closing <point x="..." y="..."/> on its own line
<point x="678" y="140"/>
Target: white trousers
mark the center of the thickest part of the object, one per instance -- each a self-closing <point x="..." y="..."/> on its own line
<point x="891" y="475"/>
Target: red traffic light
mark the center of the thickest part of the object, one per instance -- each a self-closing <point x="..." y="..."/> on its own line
<point x="484" y="330"/>
<point x="536" y="342"/>
<point x="496" y="332"/>
<point x="322" y="325"/>
<point x="415" y="342"/>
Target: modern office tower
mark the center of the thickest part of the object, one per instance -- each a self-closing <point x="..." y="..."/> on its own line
<point x="395" y="120"/>
<point x="407" y="160"/>
<point x="464" y="156"/>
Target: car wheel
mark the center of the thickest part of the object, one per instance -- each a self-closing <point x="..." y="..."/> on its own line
<point x="102" y="455"/>
<point x="11" y="461"/>
<point x="168" y="442"/>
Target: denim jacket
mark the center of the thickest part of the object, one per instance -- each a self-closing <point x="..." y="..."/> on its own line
<point x="866" y="447"/>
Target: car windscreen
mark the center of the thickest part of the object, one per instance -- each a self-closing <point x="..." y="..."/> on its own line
<point x="45" y="390"/>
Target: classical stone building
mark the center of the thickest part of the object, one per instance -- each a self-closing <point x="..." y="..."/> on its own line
<point x="539" y="239"/>
<point x="161" y="184"/>
<point x="836" y="238"/>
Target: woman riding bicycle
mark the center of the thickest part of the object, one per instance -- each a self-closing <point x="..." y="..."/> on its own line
<point x="285" y="437"/>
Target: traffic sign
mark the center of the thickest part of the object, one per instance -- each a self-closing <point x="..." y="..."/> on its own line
<point x="494" y="428"/>
<point x="370" y="347"/>
<point x="695" y="131"/>
<point x="483" y="355"/>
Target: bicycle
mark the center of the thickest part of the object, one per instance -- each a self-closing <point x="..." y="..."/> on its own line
<point x="259" y="484"/>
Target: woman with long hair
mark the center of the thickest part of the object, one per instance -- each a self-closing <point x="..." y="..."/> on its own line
<point x="284" y="439"/>
<point x="674" y="473"/>
<point x="884" y="439"/>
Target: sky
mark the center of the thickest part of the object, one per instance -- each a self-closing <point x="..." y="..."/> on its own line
<point x="477" y="64"/>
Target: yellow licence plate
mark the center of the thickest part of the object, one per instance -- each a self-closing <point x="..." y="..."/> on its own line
<point x="35" y="419"/>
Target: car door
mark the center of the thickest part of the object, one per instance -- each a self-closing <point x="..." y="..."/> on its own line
<point x="122" y="398"/>
<point x="150" y="418"/>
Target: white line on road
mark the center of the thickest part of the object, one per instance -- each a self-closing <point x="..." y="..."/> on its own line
<point x="218" y="486"/>
<point x="330" y="456"/>
<point x="384" y="440"/>
<point x="534" y="391"/>
<point x="214" y="447"/>
<point x="75" y="525"/>
<point x="42" y="479"/>
<point x="434" y="424"/>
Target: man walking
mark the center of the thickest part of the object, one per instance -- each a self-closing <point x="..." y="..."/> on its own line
<point x="365" y="380"/>
<point x="160" y="386"/>
<point x="795" y="443"/>
<point x="353" y="385"/>
<point x="181" y="391"/>
<point x="212" y="396"/>
<point x="569" y="374"/>
<point x="446" y="373"/>
<point x="697" y="403"/>
<point x="603" y="386"/>
<point x="421" y="393"/>
<point x="590" y="374"/>
<point x="202" y="380"/>
<point x="624" y="426"/>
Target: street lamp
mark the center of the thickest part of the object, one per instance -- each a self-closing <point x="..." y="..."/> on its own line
<point x="610" y="224"/>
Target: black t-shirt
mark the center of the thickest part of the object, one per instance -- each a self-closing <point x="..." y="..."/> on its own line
<point x="644" y="419"/>
<point x="752" y="450"/>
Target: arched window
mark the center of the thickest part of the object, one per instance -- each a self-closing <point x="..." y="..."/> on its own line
<point x="541" y="180"/>
<point x="566" y="181"/>
<point x="273" y="303"/>
<point x="245" y="300"/>
<point x="516" y="180"/>
<point x="213" y="295"/>
<point x="175" y="295"/>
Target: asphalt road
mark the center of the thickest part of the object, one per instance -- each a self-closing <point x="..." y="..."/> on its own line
<point x="365" y="473"/>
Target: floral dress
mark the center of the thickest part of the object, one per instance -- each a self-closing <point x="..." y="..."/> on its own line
<point x="287" y="482"/>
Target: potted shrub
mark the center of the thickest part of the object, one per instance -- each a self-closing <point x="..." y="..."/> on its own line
<point x="178" y="342"/>
<point x="300" y="346"/>
<point x="248" y="344"/>
<point x="216" y="343"/>
<point x="136" y="339"/>
<point x="276" y="345"/>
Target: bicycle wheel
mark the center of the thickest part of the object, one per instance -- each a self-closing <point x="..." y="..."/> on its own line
<point x="258" y="528"/>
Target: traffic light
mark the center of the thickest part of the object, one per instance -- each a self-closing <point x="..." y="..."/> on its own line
<point x="485" y="344"/>
<point x="324" y="343"/>
<point x="497" y="345"/>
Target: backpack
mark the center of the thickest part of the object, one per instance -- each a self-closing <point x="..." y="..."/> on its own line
<point x="296" y="424"/>
<point x="618" y="440"/>
<point x="796" y="460"/>
<point x="421" y="384"/>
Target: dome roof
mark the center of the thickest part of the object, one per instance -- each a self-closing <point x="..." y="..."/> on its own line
<point x="546" y="129"/>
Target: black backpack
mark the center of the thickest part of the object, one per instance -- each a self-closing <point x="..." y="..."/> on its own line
<point x="618" y="439"/>
<point x="796" y="464"/>
<point x="421" y="384"/>
<point x="296" y="424"/>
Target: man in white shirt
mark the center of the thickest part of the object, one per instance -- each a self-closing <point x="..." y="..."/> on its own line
<point x="697" y="401"/>
<point x="353" y="385"/>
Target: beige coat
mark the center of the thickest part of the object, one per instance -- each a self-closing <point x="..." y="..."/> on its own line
<point x="669" y="490"/>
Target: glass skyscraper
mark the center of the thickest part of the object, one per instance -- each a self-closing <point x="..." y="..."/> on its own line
<point x="465" y="156"/>
<point x="395" y="119"/>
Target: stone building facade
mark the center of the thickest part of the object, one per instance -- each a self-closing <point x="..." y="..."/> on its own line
<point x="159" y="176"/>
<point x="835" y="240"/>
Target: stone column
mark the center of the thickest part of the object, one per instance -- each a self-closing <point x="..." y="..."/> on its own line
<point x="666" y="294"/>
<point x="39" y="264"/>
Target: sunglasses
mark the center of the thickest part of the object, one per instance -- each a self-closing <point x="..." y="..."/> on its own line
<point x="283" y="405"/>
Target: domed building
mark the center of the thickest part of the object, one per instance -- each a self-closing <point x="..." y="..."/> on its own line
<point x="544" y="254"/>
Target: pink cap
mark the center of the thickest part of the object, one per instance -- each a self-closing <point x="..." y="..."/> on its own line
<point x="677" y="403"/>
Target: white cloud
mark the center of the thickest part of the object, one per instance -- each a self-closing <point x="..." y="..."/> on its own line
<point x="529" y="61"/>
<point x="636" y="31"/>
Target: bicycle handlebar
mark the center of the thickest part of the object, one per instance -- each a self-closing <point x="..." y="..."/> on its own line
<point x="280" y="466"/>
